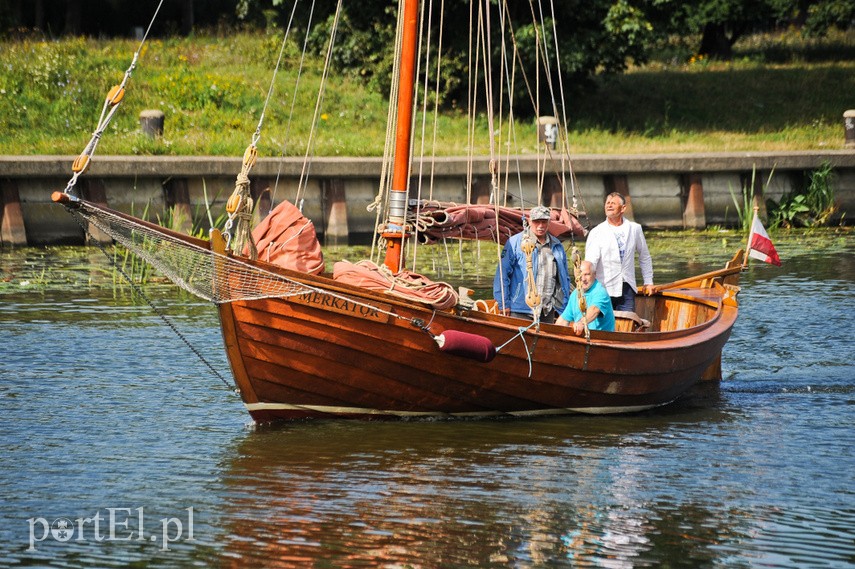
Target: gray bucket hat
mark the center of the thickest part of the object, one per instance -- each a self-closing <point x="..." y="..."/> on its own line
<point x="539" y="212"/>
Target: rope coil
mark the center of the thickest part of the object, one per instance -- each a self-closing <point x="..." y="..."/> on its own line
<point x="532" y="296"/>
<point x="239" y="208"/>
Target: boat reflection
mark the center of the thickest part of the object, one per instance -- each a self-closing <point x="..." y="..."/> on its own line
<point x="573" y="492"/>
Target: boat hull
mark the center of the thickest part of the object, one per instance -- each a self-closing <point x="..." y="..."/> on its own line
<point x="347" y="352"/>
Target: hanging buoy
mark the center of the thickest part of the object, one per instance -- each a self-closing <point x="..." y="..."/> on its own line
<point x="467" y="345"/>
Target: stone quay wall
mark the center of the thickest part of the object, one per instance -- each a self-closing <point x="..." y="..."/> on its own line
<point x="666" y="191"/>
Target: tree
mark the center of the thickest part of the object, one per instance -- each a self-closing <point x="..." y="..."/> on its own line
<point x="721" y="23"/>
<point x="73" y="15"/>
<point x="593" y="36"/>
<point x="110" y="17"/>
<point x="822" y="16"/>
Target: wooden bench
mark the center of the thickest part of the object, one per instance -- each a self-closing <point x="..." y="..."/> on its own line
<point x="626" y="321"/>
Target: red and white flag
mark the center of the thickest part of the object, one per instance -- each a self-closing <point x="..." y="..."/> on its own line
<point x="759" y="244"/>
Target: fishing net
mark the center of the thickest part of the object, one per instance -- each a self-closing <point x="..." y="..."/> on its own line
<point x="215" y="277"/>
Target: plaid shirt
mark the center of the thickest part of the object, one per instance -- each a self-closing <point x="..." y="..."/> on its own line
<point x="546" y="276"/>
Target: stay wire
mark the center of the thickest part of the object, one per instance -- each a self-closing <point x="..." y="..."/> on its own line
<point x="302" y="183"/>
<point x="521" y="335"/>
<point x="287" y="136"/>
<point x="138" y="290"/>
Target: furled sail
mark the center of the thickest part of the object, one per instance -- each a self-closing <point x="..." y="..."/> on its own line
<point x="287" y="238"/>
<point x="436" y="221"/>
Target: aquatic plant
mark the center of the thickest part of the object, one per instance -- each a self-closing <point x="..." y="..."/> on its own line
<point x="219" y="221"/>
<point x="745" y="207"/>
<point x="811" y="205"/>
<point x="128" y="264"/>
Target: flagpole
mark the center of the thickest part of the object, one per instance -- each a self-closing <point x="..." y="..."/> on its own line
<point x="750" y="235"/>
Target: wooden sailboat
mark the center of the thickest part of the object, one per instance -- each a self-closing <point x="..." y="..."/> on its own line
<point x="305" y="344"/>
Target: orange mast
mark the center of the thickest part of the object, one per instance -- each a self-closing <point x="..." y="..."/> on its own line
<point x="395" y="230"/>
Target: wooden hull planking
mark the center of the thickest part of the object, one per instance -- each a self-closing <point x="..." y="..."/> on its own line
<point x="357" y="354"/>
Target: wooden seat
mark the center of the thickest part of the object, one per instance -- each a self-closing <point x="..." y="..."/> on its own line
<point x="626" y="321"/>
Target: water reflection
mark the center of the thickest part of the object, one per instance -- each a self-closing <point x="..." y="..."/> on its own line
<point x="489" y="493"/>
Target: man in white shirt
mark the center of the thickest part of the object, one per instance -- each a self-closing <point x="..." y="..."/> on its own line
<point x="611" y="247"/>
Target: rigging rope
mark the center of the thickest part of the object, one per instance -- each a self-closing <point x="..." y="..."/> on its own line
<point x="257" y="135"/>
<point x="111" y="105"/>
<point x="310" y="145"/>
<point x="378" y="242"/>
<point x="240" y="206"/>
<point x="425" y="11"/>
<point x="425" y="36"/>
<point x="532" y="296"/>
<point x="287" y="136"/>
<point x="436" y="92"/>
<point x="481" y="75"/>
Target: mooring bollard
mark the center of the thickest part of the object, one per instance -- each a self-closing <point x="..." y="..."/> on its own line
<point x="151" y="122"/>
<point x="547" y="131"/>
<point x="849" y="128"/>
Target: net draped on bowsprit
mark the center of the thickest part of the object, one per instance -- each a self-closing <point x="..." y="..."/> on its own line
<point x="209" y="275"/>
<point x="286" y="238"/>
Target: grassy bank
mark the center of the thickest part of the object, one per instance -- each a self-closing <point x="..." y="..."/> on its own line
<point x="212" y="90"/>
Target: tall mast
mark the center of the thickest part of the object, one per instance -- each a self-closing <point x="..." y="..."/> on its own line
<point x="395" y="231"/>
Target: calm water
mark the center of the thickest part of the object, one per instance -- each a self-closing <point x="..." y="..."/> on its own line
<point x="105" y="412"/>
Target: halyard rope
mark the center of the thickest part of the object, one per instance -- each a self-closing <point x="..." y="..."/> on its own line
<point x="240" y="204"/>
<point x="287" y="135"/>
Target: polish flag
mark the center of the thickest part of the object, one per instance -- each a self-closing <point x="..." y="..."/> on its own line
<point x="760" y="246"/>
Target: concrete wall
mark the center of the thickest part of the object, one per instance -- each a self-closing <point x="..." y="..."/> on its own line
<point x="666" y="191"/>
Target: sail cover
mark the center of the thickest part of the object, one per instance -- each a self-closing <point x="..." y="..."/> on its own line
<point x="288" y="239"/>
